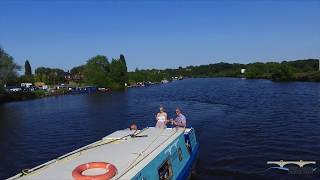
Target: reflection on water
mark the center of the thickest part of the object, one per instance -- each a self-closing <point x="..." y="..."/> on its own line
<point x="240" y="124"/>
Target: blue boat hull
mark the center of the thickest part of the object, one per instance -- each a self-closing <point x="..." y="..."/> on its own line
<point x="186" y="171"/>
<point x="175" y="161"/>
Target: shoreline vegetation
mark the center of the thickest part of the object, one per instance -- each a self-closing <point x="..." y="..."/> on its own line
<point x="98" y="74"/>
<point x="103" y="75"/>
<point x="298" y="70"/>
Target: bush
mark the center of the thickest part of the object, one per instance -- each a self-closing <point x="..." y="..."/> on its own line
<point x="60" y="92"/>
<point x="19" y="96"/>
<point x="284" y="73"/>
<point x="40" y="93"/>
<point x="308" y="76"/>
<point x="116" y="86"/>
<point x="316" y="76"/>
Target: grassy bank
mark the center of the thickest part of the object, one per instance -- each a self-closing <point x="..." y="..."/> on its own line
<point x="20" y="96"/>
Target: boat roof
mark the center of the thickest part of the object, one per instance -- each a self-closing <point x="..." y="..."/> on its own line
<point x="128" y="154"/>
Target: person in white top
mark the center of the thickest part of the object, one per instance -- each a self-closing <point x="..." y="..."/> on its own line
<point x="161" y="118"/>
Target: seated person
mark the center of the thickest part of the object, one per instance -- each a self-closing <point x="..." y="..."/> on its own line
<point x="133" y="127"/>
<point x="180" y="121"/>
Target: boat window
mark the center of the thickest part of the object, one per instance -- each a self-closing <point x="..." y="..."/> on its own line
<point x="187" y="141"/>
<point x="188" y="146"/>
<point x="165" y="170"/>
<point x="180" y="154"/>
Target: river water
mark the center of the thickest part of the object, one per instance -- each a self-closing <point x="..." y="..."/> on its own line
<point x="240" y="124"/>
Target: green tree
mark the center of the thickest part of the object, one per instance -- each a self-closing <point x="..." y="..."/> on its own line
<point x="27" y="69"/>
<point x="8" y="69"/>
<point x="96" y="71"/>
<point x="124" y="69"/>
<point x="256" y="70"/>
<point x="78" y="70"/>
<point x="27" y="77"/>
<point x="51" y="76"/>
<point x="23" y="79"/>
<point x="77" y="73"/>
<point x="118" y="71"/>
<point x="284" y="73"/>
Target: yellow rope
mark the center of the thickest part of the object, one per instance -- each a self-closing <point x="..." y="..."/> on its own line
<point x="133" y="163"/>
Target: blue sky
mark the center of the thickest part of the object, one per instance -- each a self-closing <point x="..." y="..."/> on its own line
<point x="155" y="34"/>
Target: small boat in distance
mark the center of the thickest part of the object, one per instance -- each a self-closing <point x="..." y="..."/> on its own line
<point x="164" y="81"/>
<point x="150" y="153"/>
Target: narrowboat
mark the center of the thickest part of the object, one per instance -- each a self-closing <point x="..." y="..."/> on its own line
<point x="150" y="153"/>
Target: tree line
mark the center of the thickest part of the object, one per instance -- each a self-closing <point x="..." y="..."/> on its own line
<point x="299" y="70"/>
<point x="99" y="71"/>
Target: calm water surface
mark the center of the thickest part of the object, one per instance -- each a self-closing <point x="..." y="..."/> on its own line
<point x="240" y="124"/>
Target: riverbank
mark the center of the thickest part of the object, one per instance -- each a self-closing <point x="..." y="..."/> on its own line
<point x="313" y="76"/>
<point x="22" y="96"/>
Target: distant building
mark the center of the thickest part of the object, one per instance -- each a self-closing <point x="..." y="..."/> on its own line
<point x="243" y="71"/>
<point x="67" y="76"/>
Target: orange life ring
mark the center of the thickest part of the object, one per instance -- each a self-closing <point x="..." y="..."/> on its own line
<point x="111" y="171"/>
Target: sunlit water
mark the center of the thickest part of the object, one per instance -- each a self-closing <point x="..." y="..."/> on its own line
<point x="240" y="124"/>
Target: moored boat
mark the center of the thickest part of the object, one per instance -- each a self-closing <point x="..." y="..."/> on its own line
<point x="164" y="81"/>
<point x="151" y="153"/>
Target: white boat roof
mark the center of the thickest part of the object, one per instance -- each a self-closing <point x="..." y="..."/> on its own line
<point x="129" y="155"/>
